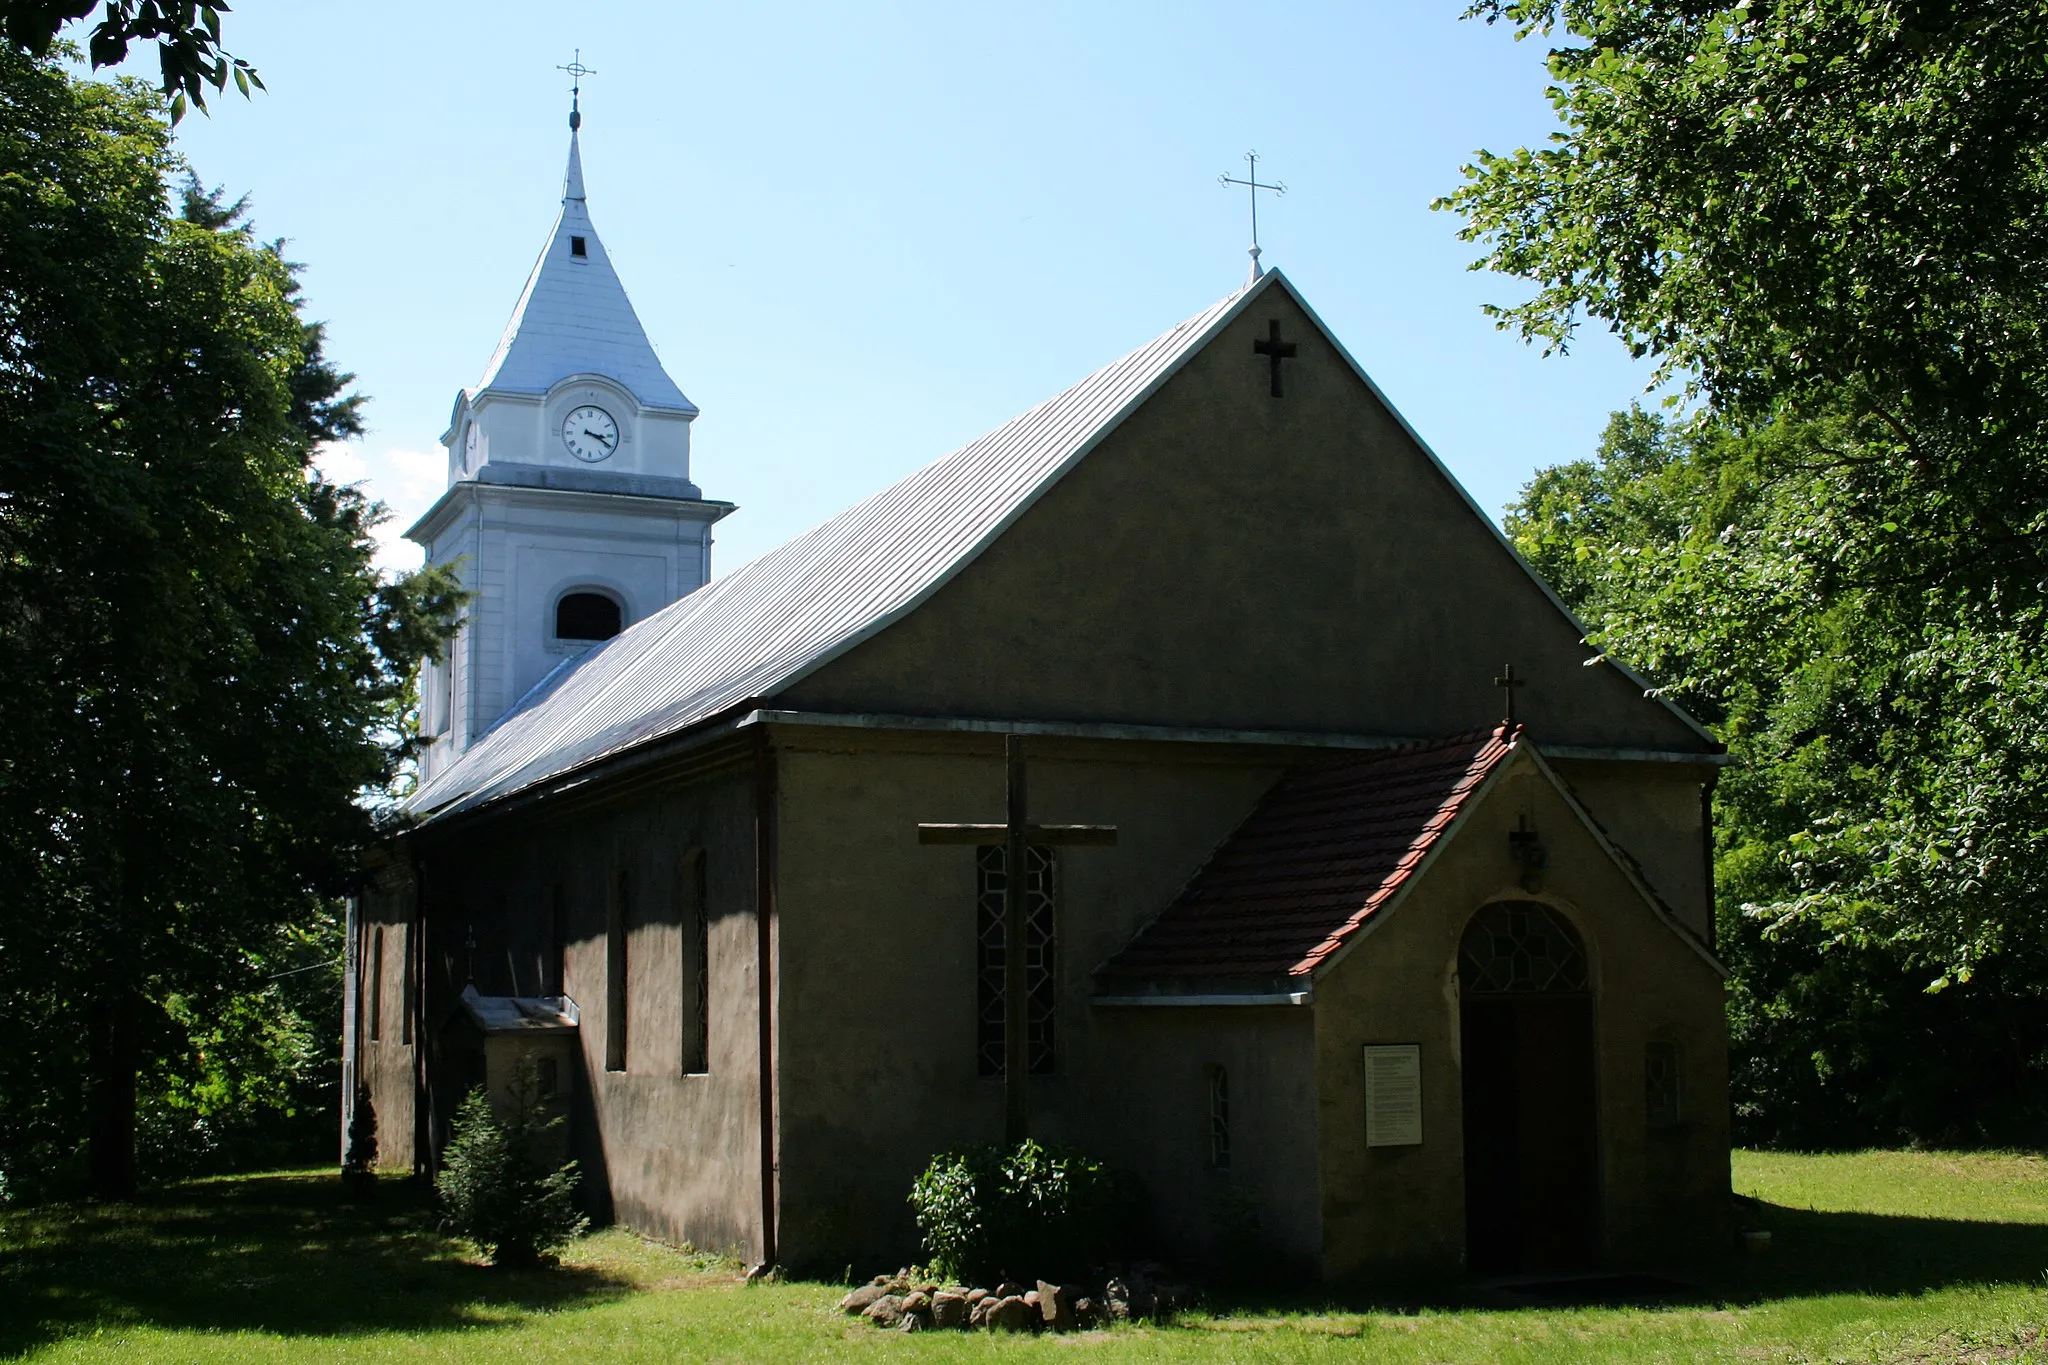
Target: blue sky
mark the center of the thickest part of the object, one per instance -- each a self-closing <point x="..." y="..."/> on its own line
<point x="862" y="235"/>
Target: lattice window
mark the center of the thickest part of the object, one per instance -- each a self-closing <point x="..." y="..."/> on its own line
<point x="1662" y="1092"/>
<point x="1518" y="946"/>
<point x="1040" y="950"/>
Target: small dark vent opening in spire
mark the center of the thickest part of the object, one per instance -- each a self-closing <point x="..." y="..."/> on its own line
<point x="577" y="247"/>
<point x="586" y="616"/>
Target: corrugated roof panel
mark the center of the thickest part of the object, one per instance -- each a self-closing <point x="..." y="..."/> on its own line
<point x="771" y="621"/>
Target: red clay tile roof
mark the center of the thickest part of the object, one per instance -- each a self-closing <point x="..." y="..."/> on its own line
<point x="1324" y="849"/>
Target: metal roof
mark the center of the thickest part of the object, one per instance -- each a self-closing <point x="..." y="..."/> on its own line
<point x="574" y="317"/>
<point x="774" y="620"/>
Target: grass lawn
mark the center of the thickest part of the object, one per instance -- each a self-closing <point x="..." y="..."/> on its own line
<point x="1880" y="1256"/>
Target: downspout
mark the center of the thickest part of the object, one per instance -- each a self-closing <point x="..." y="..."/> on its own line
<point x="764" y="921"/>
<point x="351" y="1013"/>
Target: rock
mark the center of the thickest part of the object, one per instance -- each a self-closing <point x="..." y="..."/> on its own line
<point x="1085" y="1311"/>
<point x="1011" y="1314"/>
<point x="886" y="1311"/>
<point x="1116" y="1296"/>
<point x="1056" y="1306"/>
<point x="976" y="1295"/>
<point x="949" y="1309"/>
<point x="917" y="1301"/>
<point x="1007" y="1290"/>
<point x="1031" y="1299"/>
<point x="911" y="1322"/>
<point x="857" y="1302"/>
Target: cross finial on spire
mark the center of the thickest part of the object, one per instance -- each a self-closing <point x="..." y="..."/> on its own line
<point x="1507" y="682"/>
<point x="1253" y="186"/>
<point x="577" y="71"/>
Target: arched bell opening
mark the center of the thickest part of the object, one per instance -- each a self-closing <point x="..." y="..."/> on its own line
<point x="586" y="616"/>
<point x="1532" y="1190"/>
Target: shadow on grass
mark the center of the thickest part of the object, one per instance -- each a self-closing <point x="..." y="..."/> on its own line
<point x="273" y="1253"/>
<point x="1814" y="1254"/>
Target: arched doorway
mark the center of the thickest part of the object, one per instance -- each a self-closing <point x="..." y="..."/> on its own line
<point x="1532" y="1197"/>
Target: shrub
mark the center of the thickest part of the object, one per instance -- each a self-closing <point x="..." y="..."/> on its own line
<point x="495" y="1186"/>
<point x="359" y="1163"/>
<point x="1028" y="1211"/>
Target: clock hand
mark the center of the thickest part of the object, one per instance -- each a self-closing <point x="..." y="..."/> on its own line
<point x="597" y="438"/>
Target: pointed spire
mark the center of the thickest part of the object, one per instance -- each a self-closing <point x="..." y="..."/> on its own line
<point x="572" y="182"/>
<point x="1257" y="269"/>
<point x="574" y="316"/>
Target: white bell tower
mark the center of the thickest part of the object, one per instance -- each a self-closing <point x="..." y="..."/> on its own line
<point x="569" y="506"/>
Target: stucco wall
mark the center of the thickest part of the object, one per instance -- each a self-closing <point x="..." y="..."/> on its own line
<point x="878" y="990"/>
<point x="1230" y="559"/>
<point x="671" y="1154"/>
<point x="1655" y="812"/>
<point x="1396" y="1212"/>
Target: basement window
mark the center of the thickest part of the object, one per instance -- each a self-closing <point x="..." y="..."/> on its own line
<point x="577" y="247"/>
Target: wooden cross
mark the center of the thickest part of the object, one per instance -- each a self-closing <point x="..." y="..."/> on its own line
<point x="1275" y="350"/>
<point x="1015" y="836"/>
<point x="1508" y="682"/>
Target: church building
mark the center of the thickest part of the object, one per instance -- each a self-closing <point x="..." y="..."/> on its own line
<point x="1135" y="776"/>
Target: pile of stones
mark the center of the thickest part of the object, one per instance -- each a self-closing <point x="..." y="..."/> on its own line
<point x="906" y="1303"/>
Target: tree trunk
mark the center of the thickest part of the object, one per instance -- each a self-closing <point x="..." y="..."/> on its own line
<point x="112" y="1056"/>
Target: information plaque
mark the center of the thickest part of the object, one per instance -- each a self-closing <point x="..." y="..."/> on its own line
<point x="1393" y="1095"/>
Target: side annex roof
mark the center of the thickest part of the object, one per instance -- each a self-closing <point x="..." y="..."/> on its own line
<point x="775" y="620"/>
<point x="1323" y="858"/>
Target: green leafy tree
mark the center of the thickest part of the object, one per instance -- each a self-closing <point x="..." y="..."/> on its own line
<point x="186" y="34"/>
<point x="1827" y="220"/>
<point x="202" y="674"/>
<point x="1881" y="835"/>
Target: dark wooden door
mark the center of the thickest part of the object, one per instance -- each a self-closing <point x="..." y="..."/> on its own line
<point x="1532" y="1198"/>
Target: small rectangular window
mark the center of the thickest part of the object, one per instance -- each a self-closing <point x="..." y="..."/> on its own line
<point x="1662" y="1092"/>
<point x="1219" y="1118"/>
<point x="615" y="977"/>
<point x="406" y="986"/>
<point x="377" y="983"/>
<point x="696" y="964"/>
<point x="577" y="247"/>
<point x="556" y="977"/>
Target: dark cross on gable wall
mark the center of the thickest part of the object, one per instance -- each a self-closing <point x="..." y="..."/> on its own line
<point x="1015" y="836"/>
<point x="1275" y="350"/>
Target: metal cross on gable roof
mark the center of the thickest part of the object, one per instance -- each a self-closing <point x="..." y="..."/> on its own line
<point x="1253" y="185"/>
<point x="577" y="71"/>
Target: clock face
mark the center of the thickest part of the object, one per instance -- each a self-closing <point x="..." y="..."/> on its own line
<point x="590" y="433"/>
<point x="469" y="445"/>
